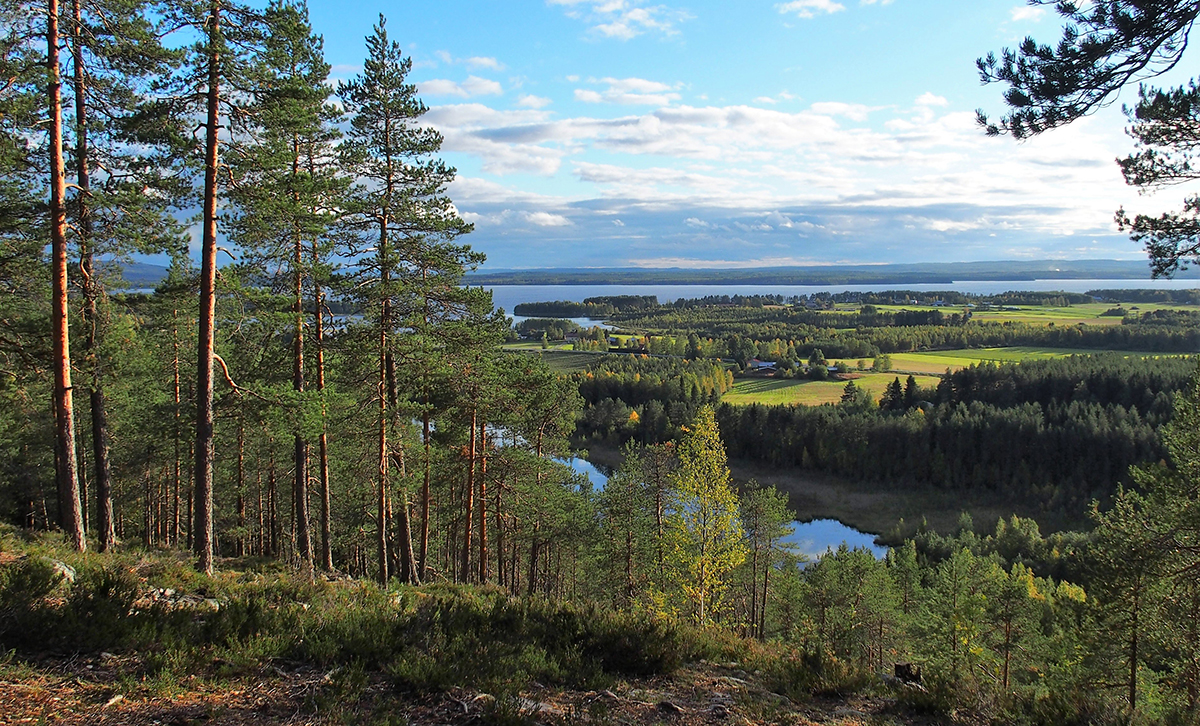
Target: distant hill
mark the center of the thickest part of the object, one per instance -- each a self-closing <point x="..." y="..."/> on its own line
<point x="891" y="274"/>
<point x="142" y="275"/>
<point x="145" y="275"/>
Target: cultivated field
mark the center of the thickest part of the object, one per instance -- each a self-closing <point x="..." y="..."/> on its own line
<point x="561" y="359"/>
<point x="935" y="362"/>
<point x="802" y="392"/>
<point x="1088" y="314"/>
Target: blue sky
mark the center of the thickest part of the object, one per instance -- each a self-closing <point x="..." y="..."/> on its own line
<point x="604" y="133"/>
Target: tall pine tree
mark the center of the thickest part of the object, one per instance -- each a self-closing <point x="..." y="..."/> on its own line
<point x="399" y="210"/>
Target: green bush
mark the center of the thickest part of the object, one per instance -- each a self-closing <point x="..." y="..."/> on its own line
<point x="25" y="614"/>
<point x="99" y="610"/>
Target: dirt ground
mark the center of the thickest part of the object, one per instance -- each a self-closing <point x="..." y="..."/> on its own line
<point x="85" y="691"/>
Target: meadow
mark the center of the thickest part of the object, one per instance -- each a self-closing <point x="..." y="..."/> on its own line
<point x="801" y="392"/>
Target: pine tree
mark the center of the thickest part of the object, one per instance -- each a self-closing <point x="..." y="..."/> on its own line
<point x="71" y="513"/>
<point x="1105" y="47"/>
<point x="765" y="515"/>
<point x="227" y="33"/>
<point x="287" y="194"/>
<point x="115" y="56"/>
<point x="399" y="210"/>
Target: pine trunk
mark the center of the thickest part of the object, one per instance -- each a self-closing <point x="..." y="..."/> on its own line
<point x="105" y="534"/>
<point x="483" y="533"/>
<point x="177" y="433"/>
<point x="300" y="486"/>
<point x="425" y="495"/>
<point x="469" y="504"/>
<point x="384" y="323"/>
<point x="323" y="443"/>
<point x="71" y="511"/>
<point x="203" y="518"/>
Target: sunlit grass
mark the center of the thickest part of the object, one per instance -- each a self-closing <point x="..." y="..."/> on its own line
<point x="798" y="392"/>
<point x="935" y="362"/>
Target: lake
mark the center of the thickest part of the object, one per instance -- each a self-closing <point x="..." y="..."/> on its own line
<point x="584" y="323"/>
<point x="509" y="296"/>
<point x="587" y="468"/>
<point x="812" y="539"/>
<point x="819" y="536"/>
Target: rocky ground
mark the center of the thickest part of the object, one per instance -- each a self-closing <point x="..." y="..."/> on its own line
<point x="90" y="690"/>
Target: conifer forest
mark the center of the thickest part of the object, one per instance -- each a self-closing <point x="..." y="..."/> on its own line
<point x="312" y="474"/>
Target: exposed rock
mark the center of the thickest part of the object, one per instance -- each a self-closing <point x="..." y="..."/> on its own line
<point x="670" y="708"/>
<point x="719" y="710"/>
<point x="64" y="570"/>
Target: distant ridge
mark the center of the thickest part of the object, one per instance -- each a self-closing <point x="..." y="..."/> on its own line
<point x="924" y="273"/>
<point x="141" y="275"/>
<point x="144" y="275"/>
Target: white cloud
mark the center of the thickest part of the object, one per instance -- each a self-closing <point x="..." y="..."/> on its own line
<point x="929" y="99"/>
<point x="765" y="99"/>
<point x="852" y="111"/>
<point x="546" y="219"/>
<point x="624" y="19"/>
<point x="531" y="101"/>
<point x="629" y="92"/>
<point x="473" y="86"/>
<point x="809" y="8"/>
<point x="680" y="177"/>
<point x="1025" y="12"/>
<point x="473" y="63"/>
<point x="507" y="142"/>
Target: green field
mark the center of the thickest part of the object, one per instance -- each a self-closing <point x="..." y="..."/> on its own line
<point x="801" y="392"/>
<point x="1087" y="314"/>
<point x="561" y="360"/>
<point x="926" y="364"/>
<point x="935" y="362"/>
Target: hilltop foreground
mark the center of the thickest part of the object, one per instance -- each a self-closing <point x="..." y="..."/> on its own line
<point x="141" y="638"/>
<point x="87" y="690"/>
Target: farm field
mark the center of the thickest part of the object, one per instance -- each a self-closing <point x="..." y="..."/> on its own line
<point x="773" y="391"/>
<point x="935" y="362"/>
<point x="562" y="360"/>
<point x="1087" y="314"/>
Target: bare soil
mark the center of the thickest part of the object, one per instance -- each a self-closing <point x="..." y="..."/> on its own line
<point x="84" y="691"/>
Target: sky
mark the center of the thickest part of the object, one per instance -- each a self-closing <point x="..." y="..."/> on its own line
<point x="710" y="133"/>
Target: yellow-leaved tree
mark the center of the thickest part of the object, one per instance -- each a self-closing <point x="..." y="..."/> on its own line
<point x="706" y="530"/>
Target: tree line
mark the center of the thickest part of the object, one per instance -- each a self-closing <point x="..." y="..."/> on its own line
<point x="236" y="410"/>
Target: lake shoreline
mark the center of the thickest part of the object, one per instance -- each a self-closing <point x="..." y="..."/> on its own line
<point x="869" y="507"/>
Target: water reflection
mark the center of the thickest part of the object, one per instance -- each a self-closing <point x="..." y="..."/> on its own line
<point x="819" y="536"/>
<point x="598" y="476"/>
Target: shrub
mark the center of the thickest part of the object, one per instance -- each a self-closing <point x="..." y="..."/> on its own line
<point x="99" y="611"/>
<point x="25" y="613"/>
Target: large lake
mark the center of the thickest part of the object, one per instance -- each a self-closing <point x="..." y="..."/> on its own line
<point x="508" y="296"/>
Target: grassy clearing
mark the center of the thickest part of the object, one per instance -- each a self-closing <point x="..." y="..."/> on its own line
<point x="1087" y="314"/>
<point x="801" y="392"/>
<point x="560" y="359"/>
<point x="935" y="362"/>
